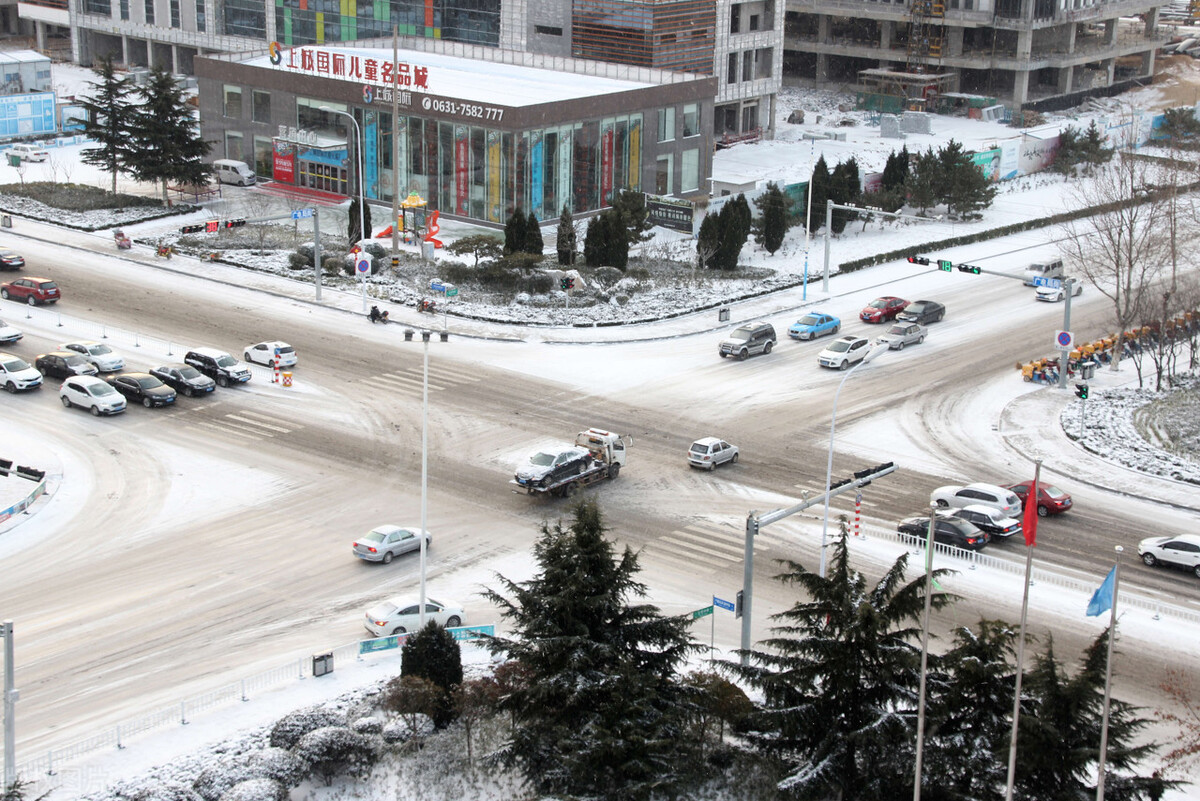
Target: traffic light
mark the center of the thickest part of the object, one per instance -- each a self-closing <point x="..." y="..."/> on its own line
<point x="1081" y="391"/>
<point x="918" y="260"/>
<point x="29" y="473"/>
<point x="737" y="605"/>
<point x="570" y="283"/>
<point x="944" y="265"/>
<point x="235" y="223"/>
<point x="564" y="283"/>
<point x="969" y="268"/>
<point x="5" y="466"/>
<point x="192" y="229"/>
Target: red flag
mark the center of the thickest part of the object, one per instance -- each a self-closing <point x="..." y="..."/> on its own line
<point x="1029" y="524"/>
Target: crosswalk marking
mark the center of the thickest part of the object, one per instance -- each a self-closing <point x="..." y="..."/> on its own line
<point x="241" y="419"/>
<point x="413" y="378"/>
<point x="393" y="381"/>
<point x="226" y="429"/>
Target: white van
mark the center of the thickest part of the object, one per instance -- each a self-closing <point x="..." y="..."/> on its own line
<point x="229" y="171"/>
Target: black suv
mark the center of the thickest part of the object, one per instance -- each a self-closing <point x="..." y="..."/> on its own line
<point x="184" y="378"/>
<point x="218" y="365"/>
<point x="748" y="340"/>
<point x="63" y="364"/>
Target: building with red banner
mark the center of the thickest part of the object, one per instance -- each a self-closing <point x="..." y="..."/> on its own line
<point x="481" y="131"/>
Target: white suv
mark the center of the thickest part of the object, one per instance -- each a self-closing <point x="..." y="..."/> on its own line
<point x="15" y="373"/>
<point x="984" y="494"/>
<point x="91" y="393"/>
<point x="100" y="355"/>
<point x="843" y="352"/>
<point x="1182" y="551"/>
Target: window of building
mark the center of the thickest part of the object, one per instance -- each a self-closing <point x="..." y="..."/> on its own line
<point x="754" y="22"/>
<point x="663" y="174"/>
<point x="233" y="101"/>
<point x="264" y="156"/>
<point x="731" y="77"/>
<point x="233" y="145"/>
<point x="201" y="17"/>
<point x="666" y="124"/>
<point x="691" y="120"/>
<point x="748" y="65"/>
<point x="98" y="7"/>
<point x="149" y="6"/>
<point x="174" y="6"/>
<point x="735" y="18"/>
<point x="762" y="62"/>
<point x="548" y="30"/>
<point x="245" y="18"/>
<point x="750" y="118"/>
<point x="689" y="170"/>
<point x="125" y="10"/>
<point x="260" y="106"/>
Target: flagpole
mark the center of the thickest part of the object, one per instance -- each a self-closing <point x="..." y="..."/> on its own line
<point x="924" y="652"/>
<point x="1112" y="635"/>
<point x="1030" y="504"/>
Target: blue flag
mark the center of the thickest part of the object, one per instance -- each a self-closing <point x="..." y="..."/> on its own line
<point x="1102" y="598"/>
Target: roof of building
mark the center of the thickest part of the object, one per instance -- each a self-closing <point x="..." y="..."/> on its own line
<point x="22" y="56"/>
<point x="445" y="75"/>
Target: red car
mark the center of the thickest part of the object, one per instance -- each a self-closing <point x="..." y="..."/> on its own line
<point x="1051" y="500"/>
<point x="30" y="290"/>
<point x="882" y="309"/>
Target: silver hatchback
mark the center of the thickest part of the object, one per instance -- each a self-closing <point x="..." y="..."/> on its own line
<point x="710" y="452"/>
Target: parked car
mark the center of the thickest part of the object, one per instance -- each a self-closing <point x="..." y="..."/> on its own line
<point x="11" y="260"/>
<point x="882" y="309"/>
<point x="1056" y="294"/>
<point x="813" y="325"/>
<point x="843" y="352"/>
<point x="1051" y="500"/>
<point x="63" y="364"/>
<point x="8" y="334"/>
<point x="264" y="353"/>
<point x="546" y="467"/>
<point x="143" y="388"/>
<point x="402" y="614"/>
<point x="27" y="151"/>
<point x="989" y="519"/>
<point x="31" y="291"/>
<point x="946" y="530"/>
<point x="923" y="312"/>
<point x="184" y="378"/>
<point x="99" y="354"/>
<point x="710" y="452"/>
<point x="748" y="340"/>
<point x="218" y="365"/>
<point x="901" y="334"/>
<point x="15" y="373"/>
<point x="1182" y="551"/>
<point x="91" y="393"/>
<point x="986" y="494"/>
<point x="384" y="543"/>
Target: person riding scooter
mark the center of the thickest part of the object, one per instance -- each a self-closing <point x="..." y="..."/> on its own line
<point x="376" y="316"/>
<point x="427" y="305"/>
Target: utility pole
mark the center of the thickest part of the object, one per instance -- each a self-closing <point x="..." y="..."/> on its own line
<point x="10" y="705"/>
<point x="395" y="148"/>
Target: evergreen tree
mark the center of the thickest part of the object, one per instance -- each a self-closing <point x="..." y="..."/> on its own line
<point x="1059" y="738"/>
<point x="533" y="236"/>
<point x="708" y="240"/>
<point x="565" y="241"/>
<point x="616" y="239"/>
<point x="838" y="681"/>
<point x="969" y="716"/>
<point x="480" y="246"/>
<point x="593" y="247"/>
<point x="1094" y="150"/>
<point x="109" y="119"/>
<point x="734" y="231"/>
<point x="1068" y="155"/>
<point x="432" y="653"/>
<point x="514" y="232"/>
<point x="601" y="714"/>
<point x="839" y="192"/>
<point x="634" y="215"/>
<point x="166" y="142"/>
<point x="353" y="231"/>
<point x="923" y="182"/>
<point x="818" y="184"/>
<point x="895" y="173"/>
<point x="775" y="207"/>
<point x="964" y="188"/>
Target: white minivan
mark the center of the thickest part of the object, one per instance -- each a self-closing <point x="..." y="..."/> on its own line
<point x="229" y="171"/>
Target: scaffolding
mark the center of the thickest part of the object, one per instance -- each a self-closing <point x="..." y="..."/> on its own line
<point x="926" y="35"/>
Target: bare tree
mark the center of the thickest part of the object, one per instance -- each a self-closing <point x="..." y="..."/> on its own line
<point x="1122" y="249"/>
<point x="474" y="700"/>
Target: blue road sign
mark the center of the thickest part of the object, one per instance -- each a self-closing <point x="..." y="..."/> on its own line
<point x="1053" y="283"/>
<point x="300" y="214"/>
<point x="726" y="605"/>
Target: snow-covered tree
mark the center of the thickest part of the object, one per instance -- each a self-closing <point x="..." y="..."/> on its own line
<point x="514" y="232"/>
<point x="533" y="236"/>
<point x="775" y="207"/>
<point x="109" y="119"/>
<point x="288" y="730"/>
<point x="839" y="680"/>
<point x="432" y="653"/>
<point x="166" y="144"/>
<point x="565" y="239"/>
<point x="963" y="187"/>
<point x="602" y="711"/>
<point x="335" y="751"/>
<point x="818" y="185"/>
<point x="924" y="181"/>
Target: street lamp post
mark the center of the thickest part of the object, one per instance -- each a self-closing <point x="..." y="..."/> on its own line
<point x="10" y="709"/>
<point x="358" y="145"/>
<point x="424" y="462"/>
<point x="878" y="349"/>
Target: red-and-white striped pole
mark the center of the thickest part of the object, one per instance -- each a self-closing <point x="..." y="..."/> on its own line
<point x="857" y="510"/>
<point x="275" y="361"/>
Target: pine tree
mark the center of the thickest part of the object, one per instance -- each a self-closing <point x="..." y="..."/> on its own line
<point x="963" y="188"/>
<point x="533" y="236"/>
<point x="776" y="208"/>
<point x="839" y="192"/>
<point x="838" y="681"/>
<point x="514" y="232"/>
<point x="924" y="181"/>
<point x="353" y="232"/>
<point x="1068" y="154"/>
<point x="895" y="172"/>
<point x="565" y="241"/>
<point x="109" y="119"/>
<point x="166" y="142"/>
<point x="432" y="653"/>
<point x="634" y="215"/>
<point x="818" y="185"/>
<point x="601" y="714"/>
<point x="616" y="239"/>
<point x="1094" y="150"/>
<point x="593" y="247"/>
<point x="708" y="240"/>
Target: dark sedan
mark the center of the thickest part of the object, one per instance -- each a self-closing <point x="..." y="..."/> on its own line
<point x="946" y="530"/>
<point x="923" y="312"/>
<point x="184" y="378"/>
<point x="143" y="388"/>
<point x="64" y="364"/>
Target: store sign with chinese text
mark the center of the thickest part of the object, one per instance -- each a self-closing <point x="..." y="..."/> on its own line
<point x="329" y="62"/>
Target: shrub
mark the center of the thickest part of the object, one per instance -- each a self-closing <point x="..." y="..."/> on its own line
<point x="401" y="730"/>
<point x="334" y="751"/>
<point x="256" y="790"/>
<point x="276" y="764"/>
<point x="76" y="197"/>
<point x="367" y="725"/>
<point x="456" y="273"/>
<point x="607" y="276"/>
<point x="331" y="264"/>
<point x="433" y="653"/>
<point x="152" y="791"/>
<point x="539" y="284"/>
<point x="288" y="730"/>
<point x="298" y="261"/>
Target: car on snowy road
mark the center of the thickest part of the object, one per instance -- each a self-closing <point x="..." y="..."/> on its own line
<point x="143" y="388"/>
<point x="1051" y="500"/>
<point x="882" y="309"/>
<point x="402" y="614"/>
<point x="100" y="355"/>
<point x="986" y="494"/>
<point x="901" y="334"/>
<point x="31" y="291"/>
<point x="16" y="374"/>
<point x="947" y="530"/>
<point x="709" y="452"/>
<point x="993" y="521"/>
<point x="843" y="352"/>
<point x="1182" y="552"/>
<point x="1055" y="294"/>
<point x="8" y="334"/>
<point x="549" y="466"/>
<point x="11" y="260"/>
<point x="91" y="393"/>
<point x="923" y="312"/>
<point x="264" y="353"/>
<point x="184" y="378"/>
<point x="384" y="543"/>
<point x="63" y="364"/>
<point x="813" y="325"/>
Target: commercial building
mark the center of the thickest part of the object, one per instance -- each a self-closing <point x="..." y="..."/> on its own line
<point x="482" y="130"/>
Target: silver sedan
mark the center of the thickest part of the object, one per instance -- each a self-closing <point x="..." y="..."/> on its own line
<point x="384" y="543"/>
<point x="901" y="334"/>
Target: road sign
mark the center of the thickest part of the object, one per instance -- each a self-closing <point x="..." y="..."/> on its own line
<point x="699" y="613"/>
<point x="300" y="214"/>
<point x="1053" y="283"/>
<point x="944" y="265"/>
<point x="726" y="605"/>
<point x="451" y="291"/>
<point x="437" y="286"/>
<point x="363" y="266"/>
<point x="1064" y="340"/>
